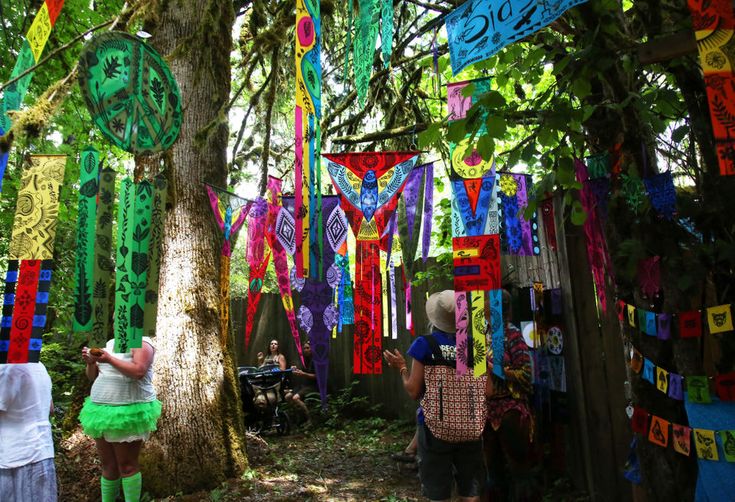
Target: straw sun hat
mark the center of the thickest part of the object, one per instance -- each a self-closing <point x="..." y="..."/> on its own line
<point x="440" y="309"/>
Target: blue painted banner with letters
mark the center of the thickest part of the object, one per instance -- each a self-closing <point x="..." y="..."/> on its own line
<point x="480" y="28"/>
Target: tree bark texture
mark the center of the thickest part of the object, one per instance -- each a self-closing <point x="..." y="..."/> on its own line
<point x="199" y="442"/>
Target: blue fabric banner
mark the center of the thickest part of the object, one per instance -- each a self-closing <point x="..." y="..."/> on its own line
<point x="480" y="28"/>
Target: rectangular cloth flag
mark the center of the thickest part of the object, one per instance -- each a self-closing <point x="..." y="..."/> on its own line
<point x="478" y="29"/>
<point x="308" y="114"/>
<point x="103" y="264"/>
<point x="714" y="26"/>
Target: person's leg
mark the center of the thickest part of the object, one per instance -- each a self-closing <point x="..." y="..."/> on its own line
<point x="110" y="479"/>
<point x="409" y="453"/>
<point x="469" y="470"/>
<point x="127" y="454"/>
<point x="515" y="441"/>
<point x="495" y="463"/>
<point x="302" y="406"/>
<point x="435" y="466"/>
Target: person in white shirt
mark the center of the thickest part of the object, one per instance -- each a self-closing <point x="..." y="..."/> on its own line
<point x="27" y="469"/>
<point x="120" y="413"/>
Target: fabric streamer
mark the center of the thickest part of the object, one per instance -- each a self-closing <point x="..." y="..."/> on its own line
<point x="364" y="47"/>
<point x="547" y="215"/>
<point x="86" y="222"/>
<point x="103" y="264"/>
<point x="597" y="253"/>
<point x="130" y="93"/>
<point x="649" y="276"/>
<point x="521" y="235"/>
<point x="370" y="184"/>
<point x="280" y="259"/>
<point x="257" y="261"/>
<point x="131" y="271"/>
<point x="393" y="303"/>
<point x="348" y="42"/>
<point x="386" y="33"/>
<point x="716" y="480"/>
<point x="317" y="317"/>
<point x="308" y="114"/>
<point x="478" y="29"/>
<point x="158" y="207"/>
<point x="428" y="211"/>
<point x="37" y="209"/>
<point x="30" y="54"/>
<point x="409" y="205"/>
<point x="714" y="29"/>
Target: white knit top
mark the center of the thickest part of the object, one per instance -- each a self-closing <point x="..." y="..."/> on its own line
<point x="112" y="387"/>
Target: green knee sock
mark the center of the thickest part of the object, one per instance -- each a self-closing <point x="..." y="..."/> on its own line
<point x="110" y="489"/>
<point x="131" y="487"/>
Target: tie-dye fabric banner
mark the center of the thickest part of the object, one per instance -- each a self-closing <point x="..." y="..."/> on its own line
<point x="86" y="223"/>
<point x="370" y="184"/>
<point x="37" y="209"/>
<point x="478" y="29"/>
<point x="714" y="28"/>
<point x="30" y="54"/>
<point x="308" y="113"/>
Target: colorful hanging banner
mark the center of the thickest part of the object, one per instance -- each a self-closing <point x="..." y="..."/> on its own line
<point x="86" y="223"/>
<point x="37" y="209"/>
<point x="30" y="54"/>
<point x="521" y="235"/>
<point x="478" y="29"/>
<point x="103" y="264"/>
<point x="597" y="253"/>
<point x="130" y="93"/>
<point x="257" y="258"/>
<point x="428" y="211"/>
<point x="547" y="216"/>
<point x="714" y="28"/>
<point x="719" y="319"/>
<point x="386" y="32"/>
<point x="411" y="204"/>
<point x="280" y="259"/>
<point x="230" y="212"/>
<point x="308" y="114"/>
<point x="158" y="208"/>
<point x="364" y="46"/>
<point x="370" y="184"/>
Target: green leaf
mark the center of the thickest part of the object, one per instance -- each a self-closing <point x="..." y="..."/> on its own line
<point x="486" y="147"/>
<point x="579" y="215"/>
<point x="493" y="99"/>
<point x="468" y="90"/>
<point x="565" y="172"/>
<point x="430" y="136"/>
<point x="581" y="87"/>
<point x="496" y="126"/>
<point x="530" y="210"/>
<point x="456" y="131"/>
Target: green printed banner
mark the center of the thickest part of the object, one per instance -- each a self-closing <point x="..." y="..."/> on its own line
<point x="86" y="223"/>
<point x="160" y="192"/>
<point x="103" y="265"/>
<point x="123" y="289"/>
<point x="14" y="93"/>
<point x="140" y="240"/>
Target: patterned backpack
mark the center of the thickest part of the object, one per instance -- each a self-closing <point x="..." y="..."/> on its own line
<point x="455" y="408"/>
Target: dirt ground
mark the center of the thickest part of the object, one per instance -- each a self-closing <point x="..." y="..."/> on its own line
<point x="351" y="464"/>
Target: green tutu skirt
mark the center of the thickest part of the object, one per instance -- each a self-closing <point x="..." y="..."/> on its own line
<point x="109" y="420"/>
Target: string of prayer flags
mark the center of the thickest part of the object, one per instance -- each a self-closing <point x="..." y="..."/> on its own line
<point x="30" y="54"/>
<point x="690" y="324"/>
<point x="682" y="439"/>
<point x="659" y="432"/>
<point x="676" y="386"/>
<point x="257" y="258"/>
<point x="86" y="223"/>
<point x="130" y="93"/>
<point x="308" y="114"/>
<point x="103" y="264"/>
<point x="280" y="259"/>
<point x="370" y="184"/>
<point x="714" y="25"/>
<point x="725" y="386"/>
<point x="230" y="212"/>
<point x="597" y="252"/>
<point x="478" y="29"/>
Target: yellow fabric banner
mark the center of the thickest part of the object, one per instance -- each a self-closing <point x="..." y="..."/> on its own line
<point x="39" y="31"/>
<point x="37" y="209"/>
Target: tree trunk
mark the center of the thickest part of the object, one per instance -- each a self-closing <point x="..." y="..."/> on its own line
<point x="199" y="442"/>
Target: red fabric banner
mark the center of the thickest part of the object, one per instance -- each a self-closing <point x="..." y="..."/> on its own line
<point x="368" y="342"/>
<point x="477" y="263"/>
<point x="25" y="307"/>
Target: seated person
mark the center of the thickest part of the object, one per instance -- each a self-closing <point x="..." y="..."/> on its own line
<point x="304" y="381"/>
<point x="275" y="358"/>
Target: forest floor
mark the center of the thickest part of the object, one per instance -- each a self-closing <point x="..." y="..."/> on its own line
<point x="349" y="461"/>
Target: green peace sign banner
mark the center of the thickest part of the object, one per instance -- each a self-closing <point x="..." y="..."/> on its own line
<point x="130" y="93"/>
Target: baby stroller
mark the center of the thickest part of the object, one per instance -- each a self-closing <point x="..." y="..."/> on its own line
<point x="262" y="398"/>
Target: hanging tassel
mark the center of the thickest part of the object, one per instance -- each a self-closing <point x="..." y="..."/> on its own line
<point x="428" y="211"/>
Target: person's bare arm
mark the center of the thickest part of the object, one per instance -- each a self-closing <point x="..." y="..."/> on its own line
<point x="137" y="368"/>
<point x="91" y="370"/>
<point x="282" y="361"/>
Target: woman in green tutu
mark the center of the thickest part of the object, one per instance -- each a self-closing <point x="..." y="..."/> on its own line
<point x="120" y="414"/>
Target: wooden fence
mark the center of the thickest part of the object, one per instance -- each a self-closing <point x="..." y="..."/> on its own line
<point x="595" y="437"/>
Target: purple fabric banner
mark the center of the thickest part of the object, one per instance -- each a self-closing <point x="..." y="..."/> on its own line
<point x="411" y="195"/>
<point x="317" y="306"/>
<point x="428" y="211"/>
